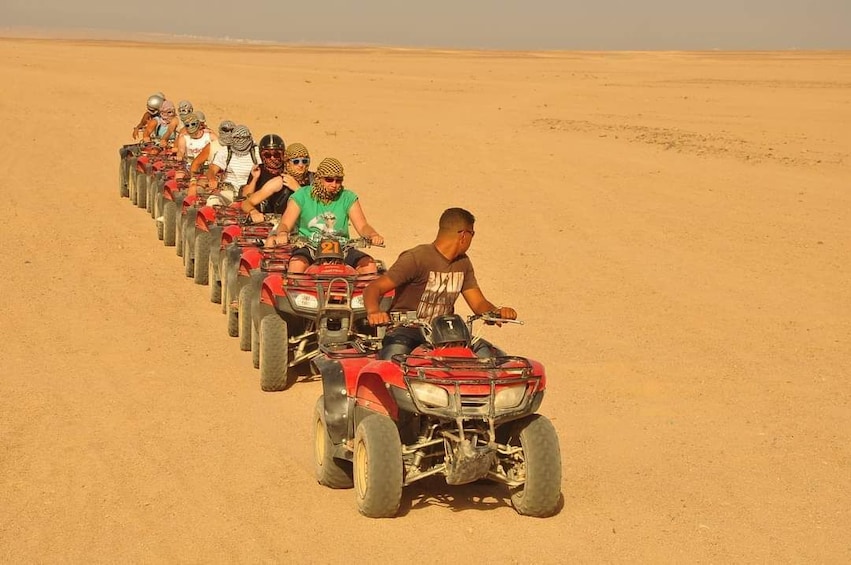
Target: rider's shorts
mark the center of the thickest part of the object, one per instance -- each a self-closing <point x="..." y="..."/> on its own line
<point x="352" y="257"/>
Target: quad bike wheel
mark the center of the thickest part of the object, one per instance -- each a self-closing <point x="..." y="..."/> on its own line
<point x="541" y="464"/>
<point x="149" y="200"/>
<point x="215" y="286"/>
<point x="233" y="316"/>
<point x="132" y="181"/>
<point x="255" y="346"/>
<point x="223" y="271"/>
<point x="142" y="190"/>
<point x="329" y="471"/>
<point x="179" y="224"/>
<point x="188" y="262"/>
<point x="274" y="355"/>
<point x="247" y="296"/>
<point x="202" y="257"/>
<point x="378" y="467"/>
<point x="123" y="191"/>
<point x="169" y="223"/>
<point x="158" y="212"/>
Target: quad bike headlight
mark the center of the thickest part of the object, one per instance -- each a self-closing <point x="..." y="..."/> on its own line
<point x="357" y="301"/>
<point x="430" y="395"/>
<point x="509" y="397"/>
<point x="304" y="300"/>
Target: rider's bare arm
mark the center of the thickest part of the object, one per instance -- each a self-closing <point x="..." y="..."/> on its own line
<point x="372" y="299"/>
<point x="212" y="175"/>
<point x="479" y="304"/>
<point x="249" y="205"/>
<point x="181" y="147"/>
<point x="199" y="161"/>
<point x="285" y="226"/>
<point x="358" y="219"/>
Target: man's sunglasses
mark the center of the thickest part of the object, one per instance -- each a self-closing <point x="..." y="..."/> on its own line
<point x="471" y="232"/>
<point x="298" y="161"/>
<point x="193" y="124"/>
<point x="226" y="129"/>
<point x="266" y="153"/>
<point x="333" y="179"/>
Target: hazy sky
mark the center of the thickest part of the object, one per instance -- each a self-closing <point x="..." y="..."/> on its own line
<point x="501" y="24"/>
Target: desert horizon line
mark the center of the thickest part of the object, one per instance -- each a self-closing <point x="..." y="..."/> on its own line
<point x="154" y="38"/>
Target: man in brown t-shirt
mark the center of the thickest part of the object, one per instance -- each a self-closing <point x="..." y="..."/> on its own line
<point x="428" y="280"/>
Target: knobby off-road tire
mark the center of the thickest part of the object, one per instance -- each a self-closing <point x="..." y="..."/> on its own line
<point x="215" y="286"/>
<point x="123" y="191"/>
<point x="169" y="223"/>
<point x="158" y="205"/>
<point x="202" y="257"/>
<point x="255" y="346"/>
<point x="274" y="354"/>
<point x="179" y="224"/>
<point x="378" y="467"/>
<point x="223" y="274"/>
<point x="153" y="189"/>
<point x="247" y="296"/>
<point x="188" y="262"/>
<point x="540" y="495"/>
<point x="142" y="190"/>
<point x="331" y="472"/>
<point x="132" y="178"/>
<point x="233" y="316"/>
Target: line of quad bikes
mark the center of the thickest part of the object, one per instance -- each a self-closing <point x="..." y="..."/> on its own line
<point x="380" y="425"/>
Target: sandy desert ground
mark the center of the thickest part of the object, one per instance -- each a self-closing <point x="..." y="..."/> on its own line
<point x="673" y="228"/>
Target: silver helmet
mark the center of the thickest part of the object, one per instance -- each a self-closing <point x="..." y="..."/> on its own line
<point x="155" y="102"/>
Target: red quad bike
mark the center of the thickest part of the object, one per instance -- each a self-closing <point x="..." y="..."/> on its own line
<point x="233" y="239"/>
<point x="237" y="261"/>
<point x="209" y="223"/>
<point x="200" y="215"/>
<point x="255" y="265"/>
<point x="440" y="410"/>
<point x="137" y="174"/>
<point x="127" y="165"/>
<point x="294" y="314"/>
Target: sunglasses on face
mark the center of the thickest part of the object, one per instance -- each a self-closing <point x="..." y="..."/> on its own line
<point x="471" y="232"/>
<point x="192" y="124"/>
<point x="330" y="180"/>
<point x="226" y="129"/>
<point x="298" y="161"/>
<point x="266" y="153"/>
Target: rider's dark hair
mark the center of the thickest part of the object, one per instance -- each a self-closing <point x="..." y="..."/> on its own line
<point x="454" y="219"/>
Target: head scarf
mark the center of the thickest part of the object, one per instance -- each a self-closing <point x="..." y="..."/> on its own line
<point x="201" y="117"/>
<point x="226" y="136"/>
<point x="296" y="150"/>
<point x="241" y="142"/>
<point x="192" y="117"/>
<point x="329" y="167"/>
<point x="167" y="110"/>
<point x="184" y="107"/>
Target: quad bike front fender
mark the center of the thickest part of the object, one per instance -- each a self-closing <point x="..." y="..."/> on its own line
<point x="337" y="417"/>
<point x="373" y="396"/>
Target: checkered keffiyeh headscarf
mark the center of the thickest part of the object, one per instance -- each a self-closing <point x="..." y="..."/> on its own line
<point x="329" y="167"/>
<point x="241" y="142"/>
<point x="226" y="132"/>
<point x="292" y="151"/>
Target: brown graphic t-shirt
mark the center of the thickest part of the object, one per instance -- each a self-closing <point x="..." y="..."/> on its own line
<point x="428" y="282"/>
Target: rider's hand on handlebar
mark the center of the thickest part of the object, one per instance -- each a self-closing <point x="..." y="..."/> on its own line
<point x="277" y="239"/>
<point x="378" y="319"/>
<point x="376" y="239"/>
<point x="256" y="216"/>
<point x="506" y="313"/>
